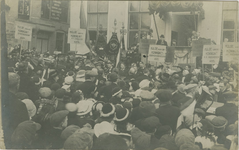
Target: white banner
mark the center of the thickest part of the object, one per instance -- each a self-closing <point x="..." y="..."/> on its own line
<point x="211" y="54"/>
<point x="23" y="32"/>
<point x="76" y="36"/>
<point x="230" y="51"/>
<point x="157" y="53"/>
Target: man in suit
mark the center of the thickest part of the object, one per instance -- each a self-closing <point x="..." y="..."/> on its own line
<point x="14" y="111"/>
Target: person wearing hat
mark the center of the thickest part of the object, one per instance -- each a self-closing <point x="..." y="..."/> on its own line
<point x="46" y="97"/>
<point x="144" y="75"/>
<point x="147" y="96"/>
<point x="144" y="85"/>
<point x="167" y="114"/>
<point x="121" y="120"/>
<point x="59" y="102"/>
<point x="116" y="96"/>
<point x="34" y="88"/>
<point x="178" y="96"/>
<point x="31" y="108"/>
<point x="107" y="113"/>
<point x="58" y="122"/>
<point x="25" y="135"/>
<point x="13" y="111"/>
<point x="84" y="113"/>
<point x="52" y="78"/>
<point x="105" y="92"/>
<point x="230" y="109"/>
<point x="81" y="139"/>
<point x="162" y="41"/>
<point x="89" y="86"/>
<point x="67" y="83"/>
<point x="144" y="138"/>
<point x="109" y="141"/>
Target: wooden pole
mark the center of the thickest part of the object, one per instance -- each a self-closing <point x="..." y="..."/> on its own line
<point x="156" y="27"/>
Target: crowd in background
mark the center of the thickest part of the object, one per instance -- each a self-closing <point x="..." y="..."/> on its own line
<point x="70" y="102"/>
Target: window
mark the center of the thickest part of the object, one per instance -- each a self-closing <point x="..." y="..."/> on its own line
<point x="139" y="21"/>
<point x="24" y="9"/>
<point x="97" y="17"/>
<point x="55" y="10"/>
<point x="60" y="41"/>
<point x="230" y="26"/>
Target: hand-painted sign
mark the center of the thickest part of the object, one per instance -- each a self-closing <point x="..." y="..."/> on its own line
<point x="23" y="32"/>
<point x="211" y="54"/>
<point x="157" y="53"/>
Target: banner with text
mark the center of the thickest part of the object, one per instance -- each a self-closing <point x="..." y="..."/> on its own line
<point x="230" y="51"/>
<point x="76" y="36"/>
<point x="211" y="54"/>
<point x="23" y="32"/>
<point x="157" y="53"/>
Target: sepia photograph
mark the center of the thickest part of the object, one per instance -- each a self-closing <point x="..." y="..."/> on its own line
<point x="119" y="75"/>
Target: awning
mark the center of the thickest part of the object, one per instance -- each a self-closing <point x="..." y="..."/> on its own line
<point x="162" y="7"/>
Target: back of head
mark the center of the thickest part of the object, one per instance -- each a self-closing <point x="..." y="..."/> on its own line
<point x="110" y="142"/>
<point x="13" y="80"/>
<point x="164" y="95"/>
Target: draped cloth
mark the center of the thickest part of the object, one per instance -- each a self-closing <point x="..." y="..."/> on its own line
<point x="162" y="7"/>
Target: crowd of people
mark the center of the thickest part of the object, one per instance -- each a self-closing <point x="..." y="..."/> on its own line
<point x="70" y="102"/>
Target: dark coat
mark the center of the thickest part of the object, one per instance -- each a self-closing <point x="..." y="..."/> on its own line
<point x="88" y="88"/>
<point x="228" y="111"/>
<point x="142" y="77"/>
<point x="168" y="115"/>
<point x="106" y="91"/>
<point x="14" y="112"/>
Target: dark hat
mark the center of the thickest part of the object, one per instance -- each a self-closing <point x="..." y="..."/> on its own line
<point x="108" y="141"/>
<point x="212" y="87"/>
<point x="107" y="110"/>
<point x="217" y="121"/>
<point x="190" y="87"/>
<point x="162" y="36"/>
<point x="112" y="77"/>
<point x="58" y="117"/>
<point x="164" y="77"/>
<point x="164" y="95"/>
<point x="22" y="95"/>
<point x="215" y="74"/>
<point x="116" y="91"/>
<point x="230" y="96"/>
<point x="184" y="136"/>
<point x="60" y="93"/>
<point x="147" y="108"/>
<point x="80" y="140"/>
<point x="91" y="73"/>
<point x="68" y="131"/>
<point x="147" y="96"/>
<point x="189" y="146"/>
<point x="25" y="132"/>
<point x="21" y="66"/>
<point x="127" y="105"/>
<point x="136" y="102"/>
<point x="121" y="114"/>
<point x="162" y="130"/>
<point x="55" y="86"/>
<point x="167" y="141"/>
<point x="71" y="53"/>
<point x="150" y="123"/>
<point x="77" y="96"/>
<point x="70" y="73"/>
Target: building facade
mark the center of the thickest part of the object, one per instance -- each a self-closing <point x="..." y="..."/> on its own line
<point x="48" y="19"/>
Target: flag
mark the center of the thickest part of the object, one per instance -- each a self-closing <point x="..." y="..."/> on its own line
<point x="83" y="25"/>
<point x="112" y="48"/>
<point x="119" y="53"/>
